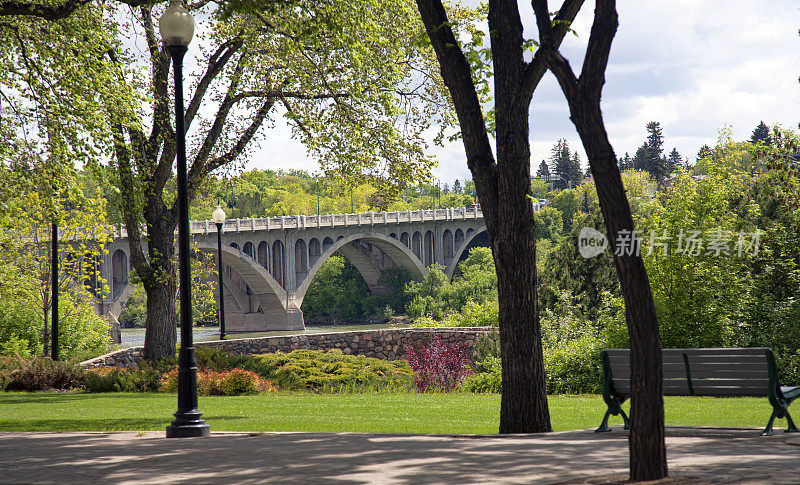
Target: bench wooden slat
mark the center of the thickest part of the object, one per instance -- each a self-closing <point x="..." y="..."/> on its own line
<point x="670" y="386"/>
<point x="619" y="370"/>
<point x="730" y="391"/>
<point x="712" y="372"/>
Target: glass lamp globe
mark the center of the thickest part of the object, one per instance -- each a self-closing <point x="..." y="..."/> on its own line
<point x="176" y="25"/>
<point x="218" y="216"/>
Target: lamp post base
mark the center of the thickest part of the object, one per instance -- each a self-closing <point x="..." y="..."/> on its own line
<point x="188" y="425"/>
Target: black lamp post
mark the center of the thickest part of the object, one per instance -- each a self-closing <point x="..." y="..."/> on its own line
<point x="177" y="28"/>
<point x="219" y="219"/>
<point x="54" y="281"/>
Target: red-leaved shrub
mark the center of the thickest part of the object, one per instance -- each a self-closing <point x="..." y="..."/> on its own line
<point x="439" y="365"/>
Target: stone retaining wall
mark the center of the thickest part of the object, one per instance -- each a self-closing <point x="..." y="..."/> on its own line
<point x="383" y="344"/>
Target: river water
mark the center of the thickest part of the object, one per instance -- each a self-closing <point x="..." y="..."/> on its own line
<point x="134" y="337"/>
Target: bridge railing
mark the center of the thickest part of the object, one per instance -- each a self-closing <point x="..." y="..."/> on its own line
<point x="329" y="220"/>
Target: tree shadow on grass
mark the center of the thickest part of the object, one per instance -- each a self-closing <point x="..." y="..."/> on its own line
<point x="99" y="425"/>
<point x="50" y="397"/>
<point x="60" y="425"/>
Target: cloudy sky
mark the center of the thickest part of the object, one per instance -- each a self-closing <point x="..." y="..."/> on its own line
<point x="693" y="65"/>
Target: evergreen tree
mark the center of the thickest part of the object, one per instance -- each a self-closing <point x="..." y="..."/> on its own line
<point x="561" y="164"/>
<point x="457" y="186"/>
<point x="640" y="158"/>
<point x="575" y="172"/>
<point x="761" y="134"/>
<point x="544" y="171"/>
<point x="674" y="161"/>
<point x="625" y="163"/>
<point x="704" y="152"/>
<point x="655" y="163"/>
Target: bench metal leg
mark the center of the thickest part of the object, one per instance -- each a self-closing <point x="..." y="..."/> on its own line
<point x="768" y="430"/>
<point x="790" y="427"/>
<point x="625" y="420"/>
<point x="780" y="413"/>
<point x="604" y="425"/>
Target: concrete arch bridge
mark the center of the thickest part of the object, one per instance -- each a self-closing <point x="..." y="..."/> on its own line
<point x="269" y="263"/>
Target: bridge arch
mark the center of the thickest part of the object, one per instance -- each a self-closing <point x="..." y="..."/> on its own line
<point x="397" y="252"/>
<point x="462" y="248"/>
<point x="263" y="255"/>
<point x="119" y="273"/>
<point x="263" y="286"/>
<point x="314" y="250"/>
<point x="416" y="245"/>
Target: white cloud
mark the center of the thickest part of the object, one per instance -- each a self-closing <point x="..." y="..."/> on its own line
<point x="692" y="65"/>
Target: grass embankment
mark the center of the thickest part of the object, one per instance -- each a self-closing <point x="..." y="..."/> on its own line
<point x="456" y="413"/>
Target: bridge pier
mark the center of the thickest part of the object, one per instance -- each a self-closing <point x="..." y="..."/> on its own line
<point x="272" y="319"/>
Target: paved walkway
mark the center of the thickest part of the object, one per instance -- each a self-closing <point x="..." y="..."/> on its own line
<point x="695" y="456"/>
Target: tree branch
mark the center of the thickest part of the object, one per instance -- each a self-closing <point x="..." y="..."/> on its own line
<point x="128" y="202"/>
<point x="552" y="37"/>
<point x="197" y="173"/>
<point x="53" y="12"/>
<point x="560" y="67"/>
<point x="212" y="136"/>
<point x="505" y="31"/>
<point x="161" y="129"/>
<point x="216" y="64"/>
<point x="457" y="77"/>
<point x="48" y="12"/>
<point x="604" y="29"/>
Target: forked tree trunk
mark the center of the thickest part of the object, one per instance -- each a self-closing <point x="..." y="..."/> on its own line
<point x="503" y="187"/>
<point x="648" y="455"/>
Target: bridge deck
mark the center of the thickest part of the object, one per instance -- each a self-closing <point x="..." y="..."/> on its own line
<point x="331" y="220"/>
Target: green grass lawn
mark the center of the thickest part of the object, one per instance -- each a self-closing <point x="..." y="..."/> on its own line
<point x="371" y="413"/>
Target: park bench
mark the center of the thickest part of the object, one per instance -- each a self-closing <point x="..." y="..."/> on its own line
<point x="702" y="372"/>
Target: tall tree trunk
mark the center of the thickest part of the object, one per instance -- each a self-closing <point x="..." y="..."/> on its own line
<point x="161" y="323"/>
<point x="648" y="455"/>
<point x="161" y="320"/>
<point x="523" y="405"/>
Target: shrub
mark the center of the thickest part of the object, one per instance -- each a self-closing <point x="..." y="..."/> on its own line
<point x="239" y="381"/>
<point x="211" y="358"/>
<point x="15" y="346"/>
<point x="487" y="377"/>
<point x="235" y="382"/>
<point x="332" y="371"/>
<point x="438" y="365"/>
<point x="41" y="373"/>
<point x="486" y="346"/>
<point x="117" y="379"/>
<point x="474" y="314"/>
<point x="574" y="366"/>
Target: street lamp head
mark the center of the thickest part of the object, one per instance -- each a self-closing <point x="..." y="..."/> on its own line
<point x="218" y="216"/>
<point x="176" y="25"/>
